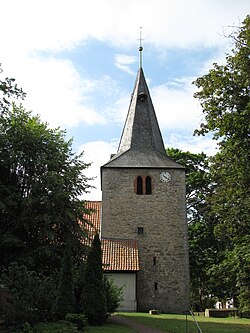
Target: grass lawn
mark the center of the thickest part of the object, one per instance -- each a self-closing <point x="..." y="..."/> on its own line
<point x="109" y="328"/>
<point x="166" y="323"/>
<point x="177" y="323"/>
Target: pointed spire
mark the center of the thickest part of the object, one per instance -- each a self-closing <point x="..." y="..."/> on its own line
<point x="141" y="130"/>
<point x="141" y="144"/>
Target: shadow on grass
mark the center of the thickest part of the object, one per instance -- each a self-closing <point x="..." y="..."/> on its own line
<point x="178" y="324"/>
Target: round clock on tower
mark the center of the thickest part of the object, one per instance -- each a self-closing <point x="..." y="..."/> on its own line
<point x="165" y="177"/>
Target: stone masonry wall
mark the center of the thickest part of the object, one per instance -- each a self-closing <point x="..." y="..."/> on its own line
<point x="163" y="279"/>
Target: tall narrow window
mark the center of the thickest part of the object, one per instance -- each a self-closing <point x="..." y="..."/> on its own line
<point x="154" y="261"/>
<point x="148" y="185"/>
<point x="139" y="188"/>
<point x="156" y="286"/>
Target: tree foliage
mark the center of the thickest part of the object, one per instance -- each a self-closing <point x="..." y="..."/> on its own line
<point x="8" y="91"/>
<point x="65" y="300"/>
<point x="93" y="296"/>
<point x="224" y="94"/>
<point x="225" y="98"/>
<point x="203" y="247"/>
<point x="40" y="183"/>
<point x="30" y="296"/>
<point x="41" y="180"/>
<point x="113" y="293"/>
<point x="197" y="180"/>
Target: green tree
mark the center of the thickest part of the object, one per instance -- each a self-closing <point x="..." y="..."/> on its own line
<point x="78" y="281"/>
<point x="203" y="247"/>
<point x="93" y="296"/>
<point x="8" y="90"/>
<point x="65" y="301"/>
<point x="225" y="99"/>
<point x="224" y="94"/>
<point x="30" y="296"/>
<point x="21" y="285"/>
<point x="41" y="180"/>
<point x="197" y="180"/>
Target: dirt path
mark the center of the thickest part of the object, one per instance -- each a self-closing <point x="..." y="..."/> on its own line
<point x="138" y="327"/>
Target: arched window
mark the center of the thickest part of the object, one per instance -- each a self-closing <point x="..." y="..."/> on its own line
<point x="139" y="188"/>
<point x="143" y="185"/>
<point x="148" y="185"/>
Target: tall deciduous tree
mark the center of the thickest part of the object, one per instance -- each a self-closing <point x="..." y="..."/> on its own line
<point x="8" y="91"/>
<point x="225" y="98"/>
<point x="40" y="183"/>
<point x="202" y="243"/>
<point x="197" y="180"/>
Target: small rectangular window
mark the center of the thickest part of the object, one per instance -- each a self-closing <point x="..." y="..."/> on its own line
<point x="156" y="285"/>
<point x="154" y="261"/>
<point x="140" y="231"/>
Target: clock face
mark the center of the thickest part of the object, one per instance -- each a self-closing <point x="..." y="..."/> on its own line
<point x="165" y="176"/>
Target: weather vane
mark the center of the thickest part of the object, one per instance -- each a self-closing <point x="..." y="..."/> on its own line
<point x="140" y="47"/>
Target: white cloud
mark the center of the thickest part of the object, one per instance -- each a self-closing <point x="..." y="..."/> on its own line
<point x="175" y="105"/>
<point x="55" y="88"/>
<point x="125" y="68"/>
<point x="56" y="92"/>
<point x="60" y="24"/>
<point x="194" y="144"/>
<point x="98" y="153"/>
<point x="122" y="61"/>
<point x="125" y="59"/>
<point x="117" y="111"/>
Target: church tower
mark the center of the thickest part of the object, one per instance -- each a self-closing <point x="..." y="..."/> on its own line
<point x="143" y="199"/>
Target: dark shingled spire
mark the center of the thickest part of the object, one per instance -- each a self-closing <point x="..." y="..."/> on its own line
<point x="141" y="130"/>
<point x="141" y="143"/>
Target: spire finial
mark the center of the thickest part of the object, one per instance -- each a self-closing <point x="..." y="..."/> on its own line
<point x="140" y="47"/>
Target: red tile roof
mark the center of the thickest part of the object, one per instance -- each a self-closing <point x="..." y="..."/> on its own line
<point x="120" y="254"/>
<point x="117" y="254"/>
<point x="94" y="219"/>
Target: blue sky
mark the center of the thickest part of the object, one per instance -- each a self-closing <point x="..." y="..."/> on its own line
<point x="77" y="61"/>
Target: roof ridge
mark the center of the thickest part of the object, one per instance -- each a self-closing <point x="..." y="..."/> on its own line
<point x="119" y="239"/>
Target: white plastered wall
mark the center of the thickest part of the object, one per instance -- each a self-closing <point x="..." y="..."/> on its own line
<point x="128" y="282"/>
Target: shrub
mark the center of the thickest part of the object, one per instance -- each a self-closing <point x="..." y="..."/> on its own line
<point x="80" y="320"/>
<point x="30" y="296"/>
<point x="27" y="328"/>
<point x="114" y="294"/>
<point x="58" y="327"/>
<point x="21" y="285"/>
